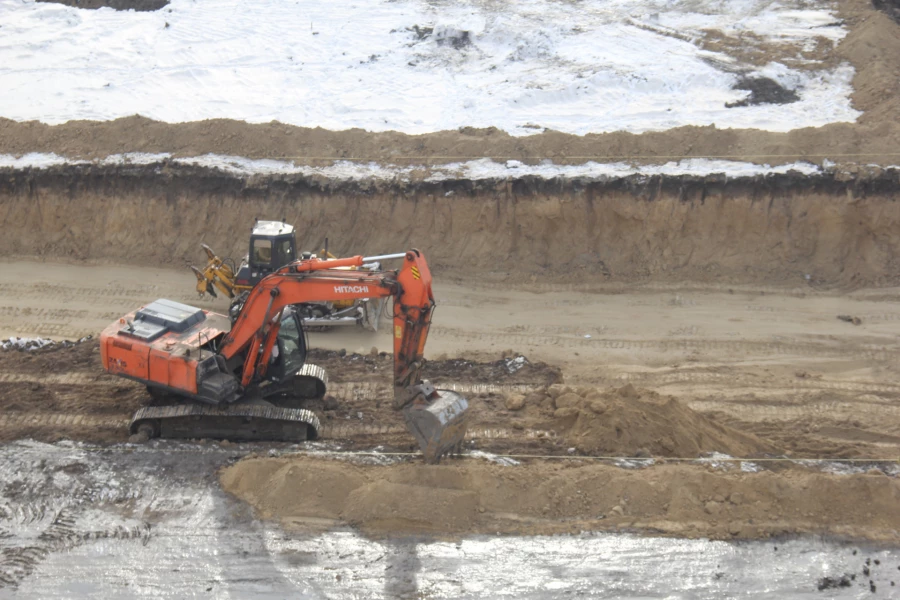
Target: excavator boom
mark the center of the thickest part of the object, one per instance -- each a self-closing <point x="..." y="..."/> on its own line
<point x="437" y="418"/>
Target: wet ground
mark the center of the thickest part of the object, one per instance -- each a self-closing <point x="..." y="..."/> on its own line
<point x="121" y="522"/>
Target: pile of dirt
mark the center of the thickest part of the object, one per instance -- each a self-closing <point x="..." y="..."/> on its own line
<point x="551" y="497"/>
<point x="873" y="47"/>
<point x="638" y="422"/>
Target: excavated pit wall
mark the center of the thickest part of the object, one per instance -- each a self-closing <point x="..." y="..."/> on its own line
<point x="836" y="228"/>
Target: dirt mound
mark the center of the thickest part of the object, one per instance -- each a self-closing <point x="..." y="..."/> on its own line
<point x="632" y="422"/>
<point x="873" y="46"/>
<point x="545" y="497"/>
<point x="376" y="506"/>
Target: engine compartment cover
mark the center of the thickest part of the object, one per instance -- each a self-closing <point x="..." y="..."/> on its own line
<point x="160" y="317"/>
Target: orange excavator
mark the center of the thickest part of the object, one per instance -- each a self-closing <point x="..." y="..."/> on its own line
<point x="245" y="376"/>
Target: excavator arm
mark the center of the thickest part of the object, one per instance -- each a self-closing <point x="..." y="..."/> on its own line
<point x="437" y="418"/>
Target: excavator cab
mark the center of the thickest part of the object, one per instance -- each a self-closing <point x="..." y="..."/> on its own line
<point x="273" y="244"/>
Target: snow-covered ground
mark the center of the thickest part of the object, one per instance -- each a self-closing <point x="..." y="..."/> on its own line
<point x="151" y="522"/>
<point x="416" y="66"/>
<point x="480" y="169"/>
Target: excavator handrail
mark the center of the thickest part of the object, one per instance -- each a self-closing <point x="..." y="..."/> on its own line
<point x="322" y="264"/>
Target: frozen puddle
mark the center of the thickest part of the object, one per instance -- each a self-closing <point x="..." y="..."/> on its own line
<point x="416" y="66"/>
<point x="152" y="522"/>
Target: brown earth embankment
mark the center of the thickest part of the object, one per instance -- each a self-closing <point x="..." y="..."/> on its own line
<point x="832" y="229"/>
<point x="466" y="497"/>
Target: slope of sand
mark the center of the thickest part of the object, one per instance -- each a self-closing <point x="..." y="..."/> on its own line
<point x="469" y="497"/>
<point x="466" y="496"/>
<point x="636" y="422"/>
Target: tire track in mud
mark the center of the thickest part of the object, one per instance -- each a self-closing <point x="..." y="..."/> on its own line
<point x="737" y="381"/>
<point x="34" y="308"/>
<point x="830" y="410"/>
<point x="70" y="378"/>
<point x="50" y="519"/>
<point x="63" y="534"/>
<point x="68" y="422"/>
<point x="649" y="288"/>
<point x="785" y="347"/>
<point x="383" y="391"/>
<point x="778" y="400"/>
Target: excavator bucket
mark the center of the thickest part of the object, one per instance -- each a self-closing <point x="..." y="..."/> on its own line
<point x="439" y="424"/>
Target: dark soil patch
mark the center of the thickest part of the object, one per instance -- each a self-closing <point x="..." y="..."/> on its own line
<point x="137" y="5"/>
<point x="762" y="91"/>
<point x="891" y="7"/>
<point x="84" y="388"/>
<point x="61" y="357"/>
<point x="342" y="367"/>
<point x="828" y="583"/>
<point x="454" y="38"/>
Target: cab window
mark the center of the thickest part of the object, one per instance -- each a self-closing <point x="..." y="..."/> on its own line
<point x="262" y="251"/>
<point x="285" y="252"/>
<point x="291" y="344"/>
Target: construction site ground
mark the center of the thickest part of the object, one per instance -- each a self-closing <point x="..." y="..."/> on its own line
<point x="680" y="346"/>
<point x="769" y="375"/>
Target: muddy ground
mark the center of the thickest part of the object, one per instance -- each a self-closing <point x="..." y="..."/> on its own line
<point x="119" y="522"/>
<point x="60" y="393"/>
<point x="648" y="372"/>
<point x="776" y="363"/>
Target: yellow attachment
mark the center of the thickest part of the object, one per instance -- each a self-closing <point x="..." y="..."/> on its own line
<point x="216" y="274"/>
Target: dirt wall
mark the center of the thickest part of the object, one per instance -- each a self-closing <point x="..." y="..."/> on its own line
<point x="837" y="228"/>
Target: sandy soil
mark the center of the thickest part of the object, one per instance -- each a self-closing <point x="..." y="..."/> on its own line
<point x="554" y="497"/>
<point x="631" y="371"/>
<point x="774" y="363"/>
<point x="872" y="46"/>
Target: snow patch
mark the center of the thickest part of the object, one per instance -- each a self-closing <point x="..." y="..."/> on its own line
<point x="28" y="344"/>
<point x="480" y="169"/>
<point x="516" y="363"/>
<point x="416" y="67"/>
